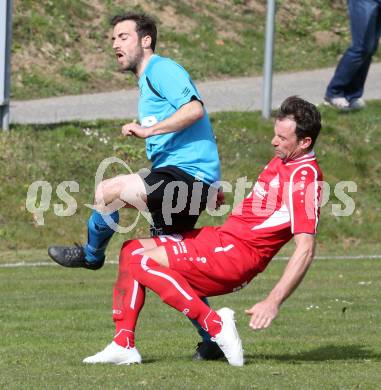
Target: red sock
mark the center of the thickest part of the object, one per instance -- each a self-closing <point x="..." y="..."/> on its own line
<point x="129" y="298"/>
<point x="125" y="338"/>
<point x="174" y="290"/>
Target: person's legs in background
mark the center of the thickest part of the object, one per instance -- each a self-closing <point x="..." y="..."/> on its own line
<point x="347" y="84"/>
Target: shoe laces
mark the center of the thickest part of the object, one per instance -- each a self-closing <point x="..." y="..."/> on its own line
<point x="74" y="252"/>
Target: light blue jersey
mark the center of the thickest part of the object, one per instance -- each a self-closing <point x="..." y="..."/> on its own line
<point x="165" y="86"/>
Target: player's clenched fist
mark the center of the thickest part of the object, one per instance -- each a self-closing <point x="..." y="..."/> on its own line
<point x="135" y="129"/>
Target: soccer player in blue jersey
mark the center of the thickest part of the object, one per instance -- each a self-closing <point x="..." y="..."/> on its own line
<point x="179" y="142"/>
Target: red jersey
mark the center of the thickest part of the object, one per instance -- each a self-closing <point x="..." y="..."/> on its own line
<point x="284" y="201"/>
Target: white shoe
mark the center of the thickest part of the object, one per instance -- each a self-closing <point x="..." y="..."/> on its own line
<point x="228" y="339"/>
<point x="358" y="104"/>
<point x="116" y="354"/>
<point x="341" y="103"/>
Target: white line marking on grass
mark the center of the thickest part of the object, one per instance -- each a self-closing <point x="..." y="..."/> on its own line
<point x="51" y="263"/>
<point x="358" y="257"/>
<point x="25" y="264"/>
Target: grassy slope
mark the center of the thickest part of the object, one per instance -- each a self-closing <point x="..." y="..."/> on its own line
<point x="348" y="149"/>
<point x="63" y="46"/>
<point x="61" y="316"/>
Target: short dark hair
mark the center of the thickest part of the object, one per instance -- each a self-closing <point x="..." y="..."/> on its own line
<point x="145" y="25"/>
<point x="306" y="116"/>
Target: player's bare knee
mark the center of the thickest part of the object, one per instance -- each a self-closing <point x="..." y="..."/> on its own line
<point x="99" y="197"/>
<point x="106" y="192"/>
<point x="158" y="255"/>
<point x="147" y="243"/>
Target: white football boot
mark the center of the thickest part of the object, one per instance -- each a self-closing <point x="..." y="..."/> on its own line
<point x="341" y="103"/>
<point x="358" y="104"/>
<point x="115" y="354"/>
<point x="228" y="339"/>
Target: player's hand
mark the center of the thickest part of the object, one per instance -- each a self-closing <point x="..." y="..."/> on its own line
<point x="220" y="198"/>
<point x="262" y="314"/>
<point x="134" y="129"/>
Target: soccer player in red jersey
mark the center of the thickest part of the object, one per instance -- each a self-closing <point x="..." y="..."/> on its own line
<point x="284" y="203"/>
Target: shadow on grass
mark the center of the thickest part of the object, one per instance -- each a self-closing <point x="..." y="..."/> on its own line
<point x="328" y="352"/>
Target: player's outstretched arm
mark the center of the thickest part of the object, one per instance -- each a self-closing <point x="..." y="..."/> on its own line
<point x="263" y="313"/>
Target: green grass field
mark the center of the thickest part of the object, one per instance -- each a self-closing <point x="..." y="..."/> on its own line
<point x="327" y="336"/>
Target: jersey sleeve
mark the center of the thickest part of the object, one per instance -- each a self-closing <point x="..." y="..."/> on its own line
<point x="174" y="84"/>
<point x="304" y="199"/>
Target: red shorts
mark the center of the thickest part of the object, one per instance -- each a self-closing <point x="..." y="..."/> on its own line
<point x="212" y="262"/>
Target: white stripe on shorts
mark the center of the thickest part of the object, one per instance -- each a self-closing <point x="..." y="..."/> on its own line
<point x="223" y="249"/>
<point x="164" y="276"/>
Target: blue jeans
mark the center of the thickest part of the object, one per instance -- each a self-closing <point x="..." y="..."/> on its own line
<point x="352" y="70"/>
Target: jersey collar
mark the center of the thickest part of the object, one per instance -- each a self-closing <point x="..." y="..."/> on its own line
<point x="306" y="157"/>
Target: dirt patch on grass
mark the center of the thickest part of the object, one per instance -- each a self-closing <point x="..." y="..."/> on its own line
<point x="169" y="18"/>
<point x="325" y="38"/>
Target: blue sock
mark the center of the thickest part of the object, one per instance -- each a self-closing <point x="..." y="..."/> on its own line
<point x="98" y="236"/>
<point x="202" y="332"/>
